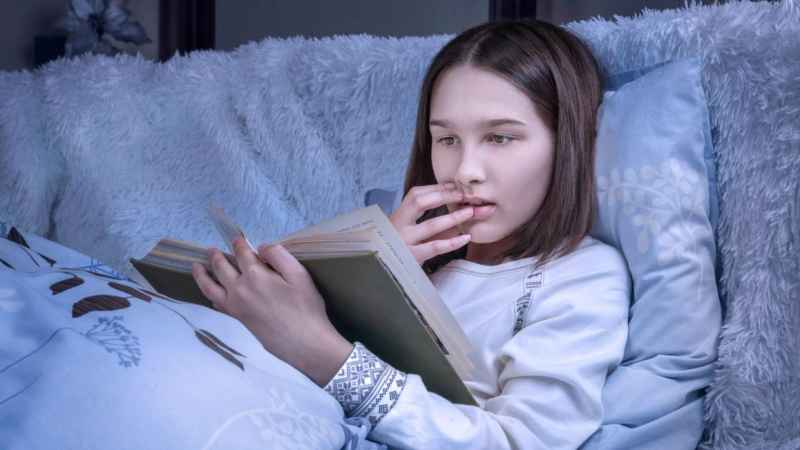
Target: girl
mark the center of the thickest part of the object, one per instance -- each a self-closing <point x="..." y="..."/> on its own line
<point x="499" y="199"/>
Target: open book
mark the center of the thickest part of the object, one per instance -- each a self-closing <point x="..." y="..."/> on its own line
<point x="375" y="292"/>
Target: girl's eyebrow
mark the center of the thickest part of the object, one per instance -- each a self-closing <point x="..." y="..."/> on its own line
<point x="484" y="123"/>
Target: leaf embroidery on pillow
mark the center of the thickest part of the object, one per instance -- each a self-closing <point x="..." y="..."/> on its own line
<point x="116" y="339"/>
<point x="108" y="333"/>
<point x="69" y="283"/>
<point x="650" y="196"/>
<point x="130" y="290"/>
<point x="154" y="294"/>
<point x="15" y="236"/>
<point x="222" y="344"/>
<point x="49" y="260"/>
<point x="99" y="303"/>
<point x="204" y="337"/>
<point x="113" y="302"/>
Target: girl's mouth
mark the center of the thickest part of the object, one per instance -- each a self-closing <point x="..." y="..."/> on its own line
<point x="480" y="212"/>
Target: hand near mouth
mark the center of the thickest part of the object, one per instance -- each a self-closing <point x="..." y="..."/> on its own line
<point x="440" y="234"/>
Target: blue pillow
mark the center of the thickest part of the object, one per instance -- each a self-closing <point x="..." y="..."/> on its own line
<point x="92" y="360"/>
<point x="657" y="204"/>
<point x="387" y="199"/>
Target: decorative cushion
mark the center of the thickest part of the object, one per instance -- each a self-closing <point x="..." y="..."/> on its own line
<point x="90" y="359"/>
<point x="657" y="204"/>
<point x="387" y="199"/>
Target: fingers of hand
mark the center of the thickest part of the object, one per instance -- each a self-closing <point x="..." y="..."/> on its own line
<point x="419" y="199"/>
<point x="225" y="272"/>
<point x="207" y="285"/>
<point x="443" y="226"/>
<point x="423" y="202"/>
<point x="443" y="187"/>
<point x="245" y="256"/>
<point x="428" y="250"/>
<point x="283" y="262"/>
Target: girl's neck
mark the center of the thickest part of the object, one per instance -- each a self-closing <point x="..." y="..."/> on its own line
<point x="490" y="254"/>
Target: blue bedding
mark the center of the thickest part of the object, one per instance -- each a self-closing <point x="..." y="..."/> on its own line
<point x="91" y="359"/>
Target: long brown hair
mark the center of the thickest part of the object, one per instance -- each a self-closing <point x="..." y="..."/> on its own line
<point x="560" y="76"/>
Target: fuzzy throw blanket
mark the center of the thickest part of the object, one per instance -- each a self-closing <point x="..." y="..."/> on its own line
<point x="108" y="155"/>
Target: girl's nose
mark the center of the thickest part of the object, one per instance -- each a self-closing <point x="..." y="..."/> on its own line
<point x="470" y="169"/>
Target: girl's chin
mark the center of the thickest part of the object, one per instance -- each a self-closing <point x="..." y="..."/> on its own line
<point x="480" y="230"/>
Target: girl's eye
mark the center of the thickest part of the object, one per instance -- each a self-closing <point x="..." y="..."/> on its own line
<point x="447" y="140"/>
<point x="500" y="139"/>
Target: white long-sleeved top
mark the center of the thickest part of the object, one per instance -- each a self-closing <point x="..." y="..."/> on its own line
<point x="545" y="341"/>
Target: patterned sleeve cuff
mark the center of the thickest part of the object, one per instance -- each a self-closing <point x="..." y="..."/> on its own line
<point x="365" y="386"/>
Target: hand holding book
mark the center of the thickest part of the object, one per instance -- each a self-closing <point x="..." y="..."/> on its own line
<point x="271" y="293"/>
<point x="374" y="291"/>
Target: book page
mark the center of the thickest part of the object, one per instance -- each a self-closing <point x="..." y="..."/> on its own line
<point x="227" y="229"/>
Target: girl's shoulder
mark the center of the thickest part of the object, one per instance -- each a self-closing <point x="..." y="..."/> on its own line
<point x="590" y="258"/>
<point x="591" y="283"/>
<point x="593" y="250"/>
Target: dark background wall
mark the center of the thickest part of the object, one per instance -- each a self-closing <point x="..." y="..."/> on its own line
<point x="241" y="21"/>
<point x="237" y="24"/>
<point x="22" y="20"/>
<point x="561" y="11"/>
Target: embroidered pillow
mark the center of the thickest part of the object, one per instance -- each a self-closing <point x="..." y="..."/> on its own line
<point x="657" y="204"/>
<point x="90" y="359"/>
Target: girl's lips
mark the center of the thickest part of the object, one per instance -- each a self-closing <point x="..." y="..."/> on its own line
<point x="482" y="212"/>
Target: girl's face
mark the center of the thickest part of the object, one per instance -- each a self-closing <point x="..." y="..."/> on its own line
<point x="487" y="138"/>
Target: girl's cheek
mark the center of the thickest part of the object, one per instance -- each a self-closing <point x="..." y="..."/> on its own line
<point x="442" y="164"/>
<point x="438" y="171"/>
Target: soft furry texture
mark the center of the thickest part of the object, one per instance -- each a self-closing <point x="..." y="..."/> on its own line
<point x="282" y="133"/>
<point x="752" y="79"/>
<point x="107" y="155"/>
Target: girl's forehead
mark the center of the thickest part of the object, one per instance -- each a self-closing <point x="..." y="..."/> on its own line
<point x="466" y="77"/>
<point x="470" y="95"/>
